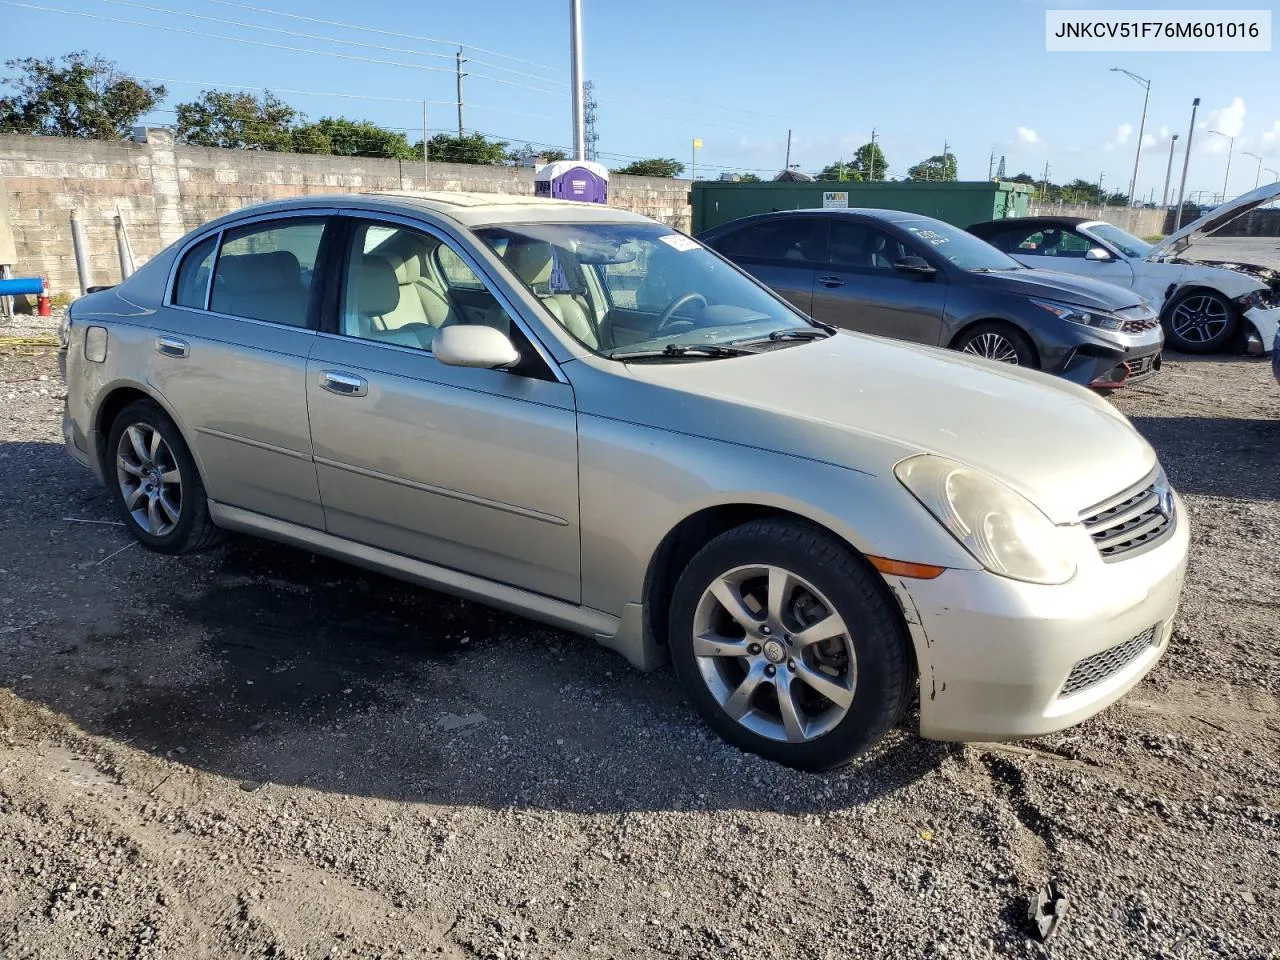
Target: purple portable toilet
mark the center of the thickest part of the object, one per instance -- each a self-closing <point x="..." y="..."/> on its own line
<point x="581" y="180"/>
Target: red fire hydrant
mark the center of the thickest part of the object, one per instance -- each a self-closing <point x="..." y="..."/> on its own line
<point x="42" y="302"/>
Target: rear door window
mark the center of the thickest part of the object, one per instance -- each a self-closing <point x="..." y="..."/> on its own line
<point x="192" y="287"/>
<point x="265" y="270"/>
<point x="799" y="240"/>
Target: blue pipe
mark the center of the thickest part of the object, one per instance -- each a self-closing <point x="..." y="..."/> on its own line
<point x="20" y="285"/>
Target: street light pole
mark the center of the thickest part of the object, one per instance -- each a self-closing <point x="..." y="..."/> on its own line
<point x="1142" y="125"/>
<point x="1164" y="197"/>
<point x="1257" y="177"/>
<point x="1186" y="159"/>
<point x="1276" y="172"/>
<point x="575" y="57"/>
<point x="1231" y="145"/>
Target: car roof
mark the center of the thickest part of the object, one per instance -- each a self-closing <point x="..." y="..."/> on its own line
<point x="1030" y="222"/>
<point x="466" y="209"/>
<point x="871" y="213"/>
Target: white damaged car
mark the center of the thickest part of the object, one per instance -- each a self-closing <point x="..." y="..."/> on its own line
<point x="1206" y="302"/>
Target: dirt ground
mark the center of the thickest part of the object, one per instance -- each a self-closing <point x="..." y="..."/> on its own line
<point x="255" y="752"/>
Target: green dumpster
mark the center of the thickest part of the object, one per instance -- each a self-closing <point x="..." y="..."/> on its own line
<point x="961" y="203"/>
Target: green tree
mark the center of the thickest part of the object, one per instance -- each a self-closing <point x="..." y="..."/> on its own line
<point x="750" y="178"/>
<point x="657" y="167"/>
<point x="935" y="168"/>
<point x="74" y="96"/>
<point x="472" y="148"/>
<point x="870" y="163"/>
<point x="528" y="155"/>
<point x="239" y="121"/>
<point x="355" y="138"/>
<point x="1022" y="178"/>
<point x="839" y="171"/>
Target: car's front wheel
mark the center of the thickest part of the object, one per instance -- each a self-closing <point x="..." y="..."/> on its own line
<point x="154" y="481"/>
<point x="1001" y="342"/>
<point x="788" y="646"/>
<point x="1199" y="321"/>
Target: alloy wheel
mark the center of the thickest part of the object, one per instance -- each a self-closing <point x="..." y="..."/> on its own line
<point x="149" y="479"/>
<point x="1200" y="318"/>
<point x="774" y="653"/>
<point x="992" y="346"/>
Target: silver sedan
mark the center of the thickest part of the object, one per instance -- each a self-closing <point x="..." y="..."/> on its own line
<point x="581" y="415"/>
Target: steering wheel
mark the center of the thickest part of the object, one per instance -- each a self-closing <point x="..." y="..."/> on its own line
<point x="675" y="305"/>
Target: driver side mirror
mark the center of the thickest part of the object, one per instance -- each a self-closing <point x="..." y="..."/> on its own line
<point x="916" y="265"/>
<point x="1097" y="254"/>
<point x="467" y="345"/>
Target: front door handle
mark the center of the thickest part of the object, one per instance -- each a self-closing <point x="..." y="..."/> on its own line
<point x="344" y="384"/>
<point x="831" y="281"/>
<point x="172" y="347"/>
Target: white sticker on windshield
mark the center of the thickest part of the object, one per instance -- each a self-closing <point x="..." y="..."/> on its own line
<point x="678" y="241"/>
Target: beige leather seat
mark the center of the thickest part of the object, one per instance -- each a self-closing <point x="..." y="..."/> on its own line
<point x="420" y="301"/>
<point x="532" y="262"/>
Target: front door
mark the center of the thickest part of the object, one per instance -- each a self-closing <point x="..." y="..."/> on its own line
<point x="781" y="253"/>
<point x="471" y="469"/>
<point x="1063" y="250"/>
<point x="230" y="356"/>
<point x="860" y="289"/>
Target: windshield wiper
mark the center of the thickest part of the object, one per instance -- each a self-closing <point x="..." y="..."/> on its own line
<point x="794" y="334"/>
<point x="707" y="350"/>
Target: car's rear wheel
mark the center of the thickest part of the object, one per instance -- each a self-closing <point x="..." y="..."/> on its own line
<point x="154" y="481"/>
<point x="1001" y="342"/>
<point x="1200" y="321"/>
<point x="788" y="646"/>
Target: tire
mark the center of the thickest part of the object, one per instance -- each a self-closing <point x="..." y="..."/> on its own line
<point x="1001" y="342"/>
<point x="868" y="670"/>
<point x="155" y="483"/>
<point x="1200" y="321"/>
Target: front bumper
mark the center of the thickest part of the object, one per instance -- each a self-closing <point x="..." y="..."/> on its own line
<point x="996" y="655"/>
<point x="1108" y="361"/>
<point x="1266" y="326"/>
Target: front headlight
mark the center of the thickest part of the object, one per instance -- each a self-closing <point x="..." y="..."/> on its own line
<point x="1072" y="314"/>
<point x="1002" y="529"/>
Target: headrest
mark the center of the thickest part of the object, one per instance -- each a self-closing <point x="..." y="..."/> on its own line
<point x="409" y="270"/>
<point x="373" y="283"/>
<point x="250" y="273"/>
<point x="531" y="261"/>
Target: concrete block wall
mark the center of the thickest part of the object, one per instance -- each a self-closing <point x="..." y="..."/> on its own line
<point x="163" y="190"/>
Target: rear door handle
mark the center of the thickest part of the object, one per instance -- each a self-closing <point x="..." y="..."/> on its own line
<point x="172" y="347"/>
<point x="831" y="281"/>
<point x="344" y="384"/>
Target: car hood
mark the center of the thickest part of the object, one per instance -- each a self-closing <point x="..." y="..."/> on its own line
<point x="1178" y="243"/>
<point x="1063" y="287"/>
<point x="864" y="403"/>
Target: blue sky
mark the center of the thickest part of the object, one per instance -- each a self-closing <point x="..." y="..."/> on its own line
<point x="974" y="75"/>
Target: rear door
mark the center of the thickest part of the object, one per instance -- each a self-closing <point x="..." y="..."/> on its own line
<point x="860" y="289"/>
<point x="230" y="357"/>
<point x="783" y="253"/>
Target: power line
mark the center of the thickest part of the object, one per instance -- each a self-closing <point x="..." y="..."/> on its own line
<point x="387" y="33"/>
<point x="264" y="43"/>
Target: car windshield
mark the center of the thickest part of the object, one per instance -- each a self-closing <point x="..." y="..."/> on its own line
<point x="962" y="249"/>
<point x="1125" y="242"/>
<point x="622" y="289"/>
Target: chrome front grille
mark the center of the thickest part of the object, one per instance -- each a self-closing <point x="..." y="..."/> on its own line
<point x="1135" y="521"/>
<point x="1137" y="326"/>
<point x="1093" y="670"/>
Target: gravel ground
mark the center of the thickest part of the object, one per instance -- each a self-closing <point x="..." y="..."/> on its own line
<point x="255" y="752"/>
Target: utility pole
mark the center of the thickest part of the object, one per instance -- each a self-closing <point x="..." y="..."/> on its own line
<point x="1044" y="183"/>
<point x="460" y="76"/>
<point x="788" y="166"/>
<point x="873" y="154"/>
<point x="991" y="166"/>
<point x="1142" y="126"/>
<point x="1186" y="159"/>
<point x="426" y="150"/>
<point x="575" y="57"/>
<point x="946" y="148"/>
<point x="1164" y="197"/>
<point x="1258" y="176"/>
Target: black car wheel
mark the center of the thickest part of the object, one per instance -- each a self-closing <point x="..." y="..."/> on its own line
<point x="1199" y="321"/>
<point x="1001" y="342"/>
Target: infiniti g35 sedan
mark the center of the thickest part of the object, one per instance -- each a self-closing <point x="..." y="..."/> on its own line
<point x="911" y="277"/>
<point x="584" y="416"/>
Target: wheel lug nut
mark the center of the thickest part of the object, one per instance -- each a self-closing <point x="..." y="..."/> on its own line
<point x="770" y="670"/>
<point x="753" y="649"/>
<point x="765" y="630"/>
<point x="791" y="664"/>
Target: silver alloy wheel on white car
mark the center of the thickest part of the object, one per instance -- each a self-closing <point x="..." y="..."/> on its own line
<point x="774" y="653"/>
<point x="992" y="346"/>
<point x="1200" y="318"/>
<point x="149" y="479"/>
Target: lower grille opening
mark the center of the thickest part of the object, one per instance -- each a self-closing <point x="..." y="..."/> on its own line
<point x="1093" y="670"/>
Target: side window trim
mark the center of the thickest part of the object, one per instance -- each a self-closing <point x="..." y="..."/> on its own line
<point x="353" y="216"/>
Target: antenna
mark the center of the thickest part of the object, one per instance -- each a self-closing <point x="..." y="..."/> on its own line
<point x="592" y="135"/>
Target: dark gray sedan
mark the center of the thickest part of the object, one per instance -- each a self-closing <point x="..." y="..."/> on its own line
<point x="915" y="278"/>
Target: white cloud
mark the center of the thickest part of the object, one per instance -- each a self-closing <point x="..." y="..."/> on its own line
<point x="1122" y="135"/>
<point x="1271" y="139"/>
<point x="1228" y="120"/>
<point x="1027" y="135"/>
